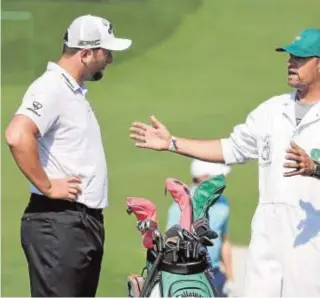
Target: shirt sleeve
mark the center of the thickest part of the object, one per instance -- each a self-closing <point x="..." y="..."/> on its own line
<point x="225" y="226"/>
<point x="219" y="215"/>
<point x="42" y="108"/>
<point x="241" y="145"/>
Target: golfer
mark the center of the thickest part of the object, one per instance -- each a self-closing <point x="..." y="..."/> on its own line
<point x="55" y="140"/>
<point x="282" y="134"/>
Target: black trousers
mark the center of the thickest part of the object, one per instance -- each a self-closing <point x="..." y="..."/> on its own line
<point x="63" y="244"/>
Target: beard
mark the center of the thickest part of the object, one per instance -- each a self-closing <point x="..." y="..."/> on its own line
<point x="97" y="76"/>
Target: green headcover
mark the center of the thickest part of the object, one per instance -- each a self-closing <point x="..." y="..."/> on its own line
<point x="206" y="194"/>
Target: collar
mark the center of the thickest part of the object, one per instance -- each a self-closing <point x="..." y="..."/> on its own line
<point x="289" y="111"/>
<point x="290" y="100"/>
<point x="67" y="78"/>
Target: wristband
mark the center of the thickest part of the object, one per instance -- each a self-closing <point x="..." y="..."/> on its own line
<point x="173" y="144"/>
<point x="316" y="171"/>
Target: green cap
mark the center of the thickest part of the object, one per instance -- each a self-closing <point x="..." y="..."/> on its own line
<point x="306" y="44"/>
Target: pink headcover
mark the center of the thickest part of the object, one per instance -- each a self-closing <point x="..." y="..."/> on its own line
<point x="181" y="195"/>
<point x="143" y="209"/>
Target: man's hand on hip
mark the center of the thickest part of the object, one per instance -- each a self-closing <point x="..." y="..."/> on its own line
<point x="67" y="188"/>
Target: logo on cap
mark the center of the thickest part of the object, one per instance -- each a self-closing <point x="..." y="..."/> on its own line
<point x="109" y="25"/>
<point x="297" y="38"/>
<point x="91" y="43"/>
<point x="110" y="30"/>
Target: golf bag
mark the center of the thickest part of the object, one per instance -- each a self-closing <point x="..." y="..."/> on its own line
<point x="177" y="263"/>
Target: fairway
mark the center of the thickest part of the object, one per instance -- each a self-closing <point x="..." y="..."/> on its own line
<point x="199" y="65"/>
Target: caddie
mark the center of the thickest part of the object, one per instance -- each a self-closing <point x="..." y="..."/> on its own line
<point x="283" y="135"/>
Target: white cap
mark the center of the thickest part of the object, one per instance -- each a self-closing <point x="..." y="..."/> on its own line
<point x="200" y="168"/>
<point x="87" y="32"/>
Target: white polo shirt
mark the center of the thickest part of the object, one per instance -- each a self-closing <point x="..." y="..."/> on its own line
<point x="70" y="142"/>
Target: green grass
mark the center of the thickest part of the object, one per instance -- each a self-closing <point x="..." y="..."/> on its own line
<point x="200" y="66"/>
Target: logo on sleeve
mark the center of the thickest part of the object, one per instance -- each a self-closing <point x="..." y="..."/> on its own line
<point x="265" y="151"/>
<point x="35" y="107"/>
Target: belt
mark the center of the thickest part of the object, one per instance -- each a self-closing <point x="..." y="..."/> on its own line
<point x="41" y="203"/>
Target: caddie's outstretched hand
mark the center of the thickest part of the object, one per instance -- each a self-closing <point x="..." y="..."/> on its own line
<point x="155" y="136"/>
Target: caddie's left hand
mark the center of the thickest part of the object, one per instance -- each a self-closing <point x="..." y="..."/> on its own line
<point x="298" y="160"/>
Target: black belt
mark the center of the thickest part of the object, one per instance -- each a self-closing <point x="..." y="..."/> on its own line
<point x="40" y="203"/>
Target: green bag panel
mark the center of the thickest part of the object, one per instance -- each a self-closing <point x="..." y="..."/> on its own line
<point x="193" y="285"/>
<point x="168" y="284"/>
<point x="205" y="195"/>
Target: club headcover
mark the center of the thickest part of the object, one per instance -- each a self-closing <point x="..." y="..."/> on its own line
<point x="144" y="210"/>
<point x="181" y="195"/>
<point x="206" y="194"/>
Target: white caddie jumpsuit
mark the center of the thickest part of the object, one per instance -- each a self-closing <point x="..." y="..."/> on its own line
<point x="284" y="251"/>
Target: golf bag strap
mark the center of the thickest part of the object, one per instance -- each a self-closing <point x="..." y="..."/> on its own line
<point x="178" y="268"/>
<point x="135" y="284"/>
